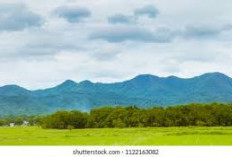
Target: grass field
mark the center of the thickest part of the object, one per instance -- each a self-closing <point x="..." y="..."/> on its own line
<point x="127" y="136"/>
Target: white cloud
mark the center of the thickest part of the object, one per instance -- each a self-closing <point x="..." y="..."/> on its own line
<point x="16" y="17"/>
<point x="73" y="14"/>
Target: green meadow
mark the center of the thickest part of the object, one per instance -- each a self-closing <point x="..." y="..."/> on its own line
<point x="116" y="136"/>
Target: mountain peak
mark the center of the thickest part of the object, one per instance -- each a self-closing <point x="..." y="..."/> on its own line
<point x="145" y="77"/>
<point x="68" y="83"/>
<point x="148" y="77"/>
<point x="173" y="77"/>
<point x="142" y="80"/>
<point x="86" y="83"/>
<point x="216" y="75"/>
<point x="12" y="89"/>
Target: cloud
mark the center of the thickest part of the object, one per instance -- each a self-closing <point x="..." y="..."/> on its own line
<point x="38" y="44"/>
<point x="121" y="34"/>
<point x="72" y="14"/>
<point x="15" y="17"/>
<point x="204" y="32"/>
<point x="107" y="53"/>
<point x="121" y="19"/>
<point x="159" y="35"/>
<point x="149" y="10"/>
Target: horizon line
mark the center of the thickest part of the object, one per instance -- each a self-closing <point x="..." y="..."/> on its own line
<point x="96" y="82"/>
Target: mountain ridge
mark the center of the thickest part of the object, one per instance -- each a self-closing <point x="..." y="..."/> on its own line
<point x="69" y="81"/>
<point x="143" y="90"/>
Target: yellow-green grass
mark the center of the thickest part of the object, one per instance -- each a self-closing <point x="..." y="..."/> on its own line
<point x="115" y="136"/>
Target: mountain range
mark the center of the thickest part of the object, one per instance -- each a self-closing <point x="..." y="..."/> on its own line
<point x="142" y="91"/>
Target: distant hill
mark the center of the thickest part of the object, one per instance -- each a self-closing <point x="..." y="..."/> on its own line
<point x="142" y="91"/>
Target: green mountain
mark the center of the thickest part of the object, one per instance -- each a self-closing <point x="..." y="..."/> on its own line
<point x="142" y="91"/>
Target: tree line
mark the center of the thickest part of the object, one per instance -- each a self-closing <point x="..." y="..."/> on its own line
<point x="18" y="120"/>
<point x="119" y="117"/>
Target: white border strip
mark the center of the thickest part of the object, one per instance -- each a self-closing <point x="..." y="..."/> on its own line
<point x="158" y="151"/>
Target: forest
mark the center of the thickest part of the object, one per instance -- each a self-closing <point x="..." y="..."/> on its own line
<point x="120" y="117"/>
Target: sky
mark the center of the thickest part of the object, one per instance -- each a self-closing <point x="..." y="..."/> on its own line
<point x="45" y="42"/>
